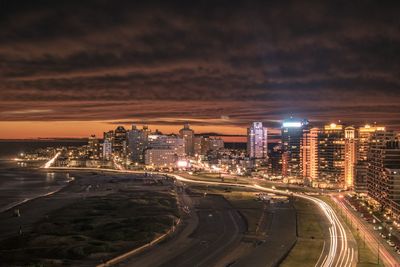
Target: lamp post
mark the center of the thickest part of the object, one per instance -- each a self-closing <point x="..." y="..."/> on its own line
<point x="378" y="250"/>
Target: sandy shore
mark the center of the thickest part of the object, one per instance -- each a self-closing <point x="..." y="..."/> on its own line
<point x="18" y="203"/>
<point x="19" y="184"/>
<point x="84" y="184"/>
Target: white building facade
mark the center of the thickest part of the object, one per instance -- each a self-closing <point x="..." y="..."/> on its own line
<point x="257" y="141"/>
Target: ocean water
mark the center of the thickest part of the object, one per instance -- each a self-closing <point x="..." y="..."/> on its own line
<point x="20" y="182"/>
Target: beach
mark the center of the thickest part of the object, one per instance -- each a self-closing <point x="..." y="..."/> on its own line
<point x="88" y="200"/>
<point x="21" y="182"/>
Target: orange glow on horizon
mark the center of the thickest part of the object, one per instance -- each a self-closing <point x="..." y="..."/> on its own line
<point x="82" y="129"/>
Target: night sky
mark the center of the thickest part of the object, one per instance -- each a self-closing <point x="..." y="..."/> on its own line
<point x="70" y="68"/>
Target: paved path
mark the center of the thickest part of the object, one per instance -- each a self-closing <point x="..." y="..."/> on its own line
<point x="211" y="230"/>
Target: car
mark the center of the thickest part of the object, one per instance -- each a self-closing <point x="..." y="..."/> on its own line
<point x="390" y="243"/>
<point x="398" y="252"/>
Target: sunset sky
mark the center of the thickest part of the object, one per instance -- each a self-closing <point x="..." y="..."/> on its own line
<point x="73" y="68"/>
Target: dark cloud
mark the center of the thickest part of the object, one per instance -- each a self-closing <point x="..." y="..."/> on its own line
<point x="171" y="61"/>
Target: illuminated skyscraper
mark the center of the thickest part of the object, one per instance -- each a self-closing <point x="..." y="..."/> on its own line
<point x="173" y="142"/>
<point x="137" y="143"/>
<point x="350" y="148"/>
<point x="94" y="147"/>
<point x="188" y="135"/>
<point x="309" y="154"/>
<point x="363" y="143"/>
<point x="383" y="173"/>
<point x="197" y="145"/>
<point x="204" y="144"/>
<point x="275" y="160"/>
<point x="331" y="153"/>
<point x="257" y="141"/>
<point x="119" y="144"/>
<point x="292" y="134"/>
<point x="164" y="151"/>
<point x="108" y="140"/>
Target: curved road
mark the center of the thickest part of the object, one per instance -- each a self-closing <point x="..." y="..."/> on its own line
<point x="210" y="231"/>
<point x="341" y="250"/>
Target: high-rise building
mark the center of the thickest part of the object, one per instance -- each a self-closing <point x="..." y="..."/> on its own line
<point x="275" y="160"/>
<point x="108" y="140"/>
<point x="309" y="154"/>
<point x="211" y="143"/>
<point x="363" y="143"/>
<point x="364" y="139"/>
<point x="164" y="151"/>
<point x="160" y="157"/>
<point x="137" y="143"/>
<point x="383" y="174"/>
<point x="119" y="144"/>
<point x="197" y="145"/>
<point x="350" y="152"/>
<point x="257" y="141"/>
<point x="107" y="149"/>
<point x="188" y="135"/>
<point x="94" y="148"/>
<point x="331" y="154"/>
<point x="292" y="134"/>
<point x="175" y="143"/>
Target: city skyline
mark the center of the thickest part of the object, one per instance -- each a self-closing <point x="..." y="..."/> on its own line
<point x="199" y="133"/>
<point x="83" y="130"/>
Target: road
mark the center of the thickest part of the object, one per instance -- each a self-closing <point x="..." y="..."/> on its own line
<point x="371" y="238"/>
<point x="212" y="230"/>
<point x="48" y="164"/>
<point x="341" y="249"/>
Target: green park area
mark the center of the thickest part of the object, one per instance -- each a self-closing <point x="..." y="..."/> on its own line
<point x="215" y="177"/>
<point x="92" y="230"/>
<point x="310" y="234"/>
<point x="244" y="201"/>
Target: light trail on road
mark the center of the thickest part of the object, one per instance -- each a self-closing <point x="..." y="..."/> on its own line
<point x="51" y="161"/>
<point x="340" y="254"/>
<point x="117" y="165"/>
<point x="337" y="256"/>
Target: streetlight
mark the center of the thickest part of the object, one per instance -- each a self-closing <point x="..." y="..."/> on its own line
<point x="379" y="243"/>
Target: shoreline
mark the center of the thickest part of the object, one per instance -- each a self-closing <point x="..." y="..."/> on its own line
<point x="331" y="256"/>
<point x="101" y="184"/>
<point x="26" y="200"/>
<point x="325" y="208"/>
<point x="17" y="203"/>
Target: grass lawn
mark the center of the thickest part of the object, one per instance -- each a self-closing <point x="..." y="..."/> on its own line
<point x="310" y="236"/>
<point x="93" y="228"/>
<point x="214" y="177"/>
<point x="246" y="204"/>
<point x="244" y="201"/>
<point x="304" y="254"/>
